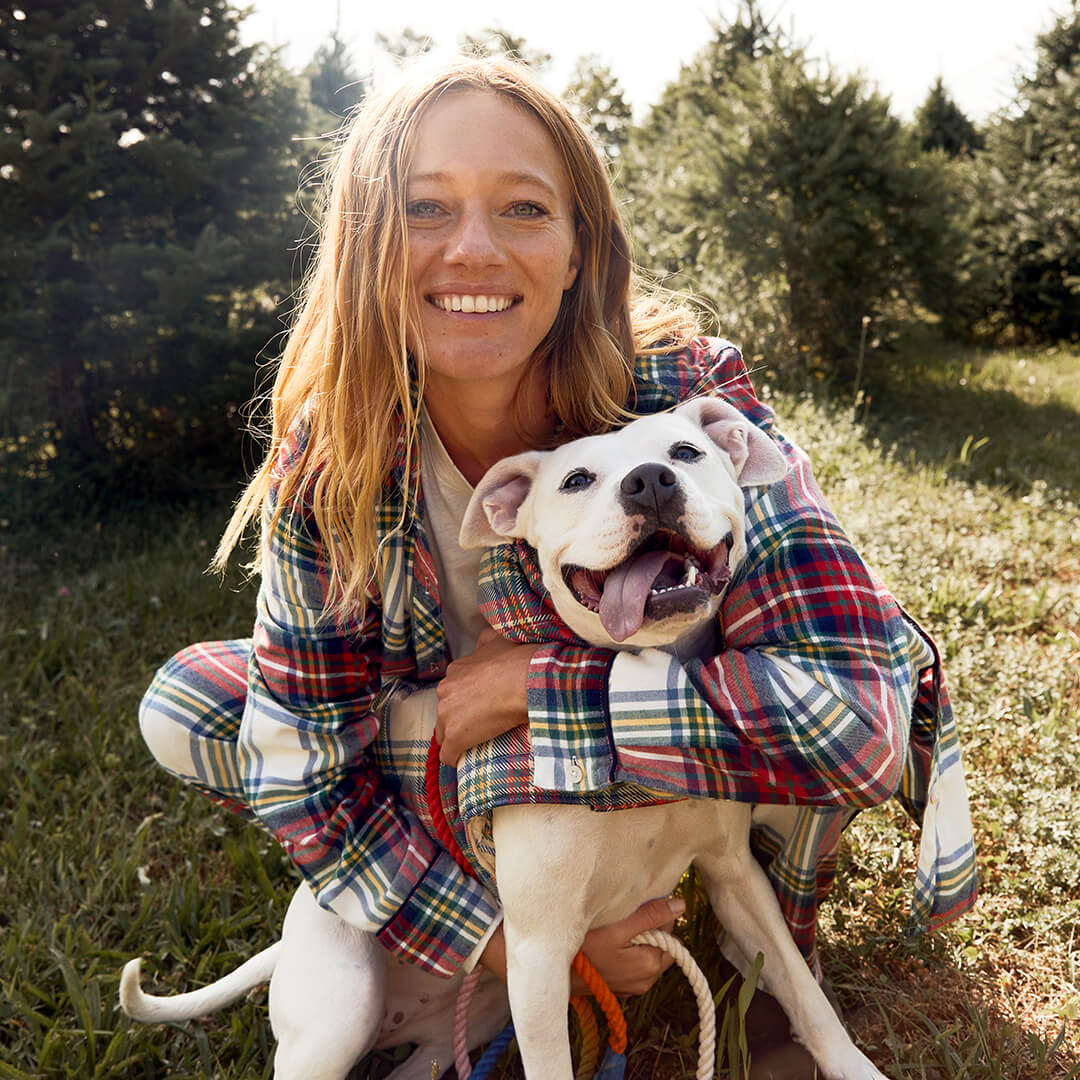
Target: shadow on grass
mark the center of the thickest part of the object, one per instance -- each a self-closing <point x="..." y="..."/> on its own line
<point x="945" y="425"/>
<point x="1004" y="417"/>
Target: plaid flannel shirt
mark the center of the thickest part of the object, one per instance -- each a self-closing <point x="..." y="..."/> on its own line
<point x="824" y="699"/>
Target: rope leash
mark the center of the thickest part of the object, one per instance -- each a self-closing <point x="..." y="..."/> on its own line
<point x="614" y="1064"/>
<point x="700" y="985"/>
<point x="590" y="1037"/>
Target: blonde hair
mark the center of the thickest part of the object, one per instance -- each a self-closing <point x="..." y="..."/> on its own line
<point x="346" y="365"/>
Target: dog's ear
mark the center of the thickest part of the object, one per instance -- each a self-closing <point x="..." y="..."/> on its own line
<point x="492" y="516"/>
<point x="757" y="459"/>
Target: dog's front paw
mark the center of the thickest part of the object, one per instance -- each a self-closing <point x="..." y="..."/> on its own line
<point x="854" y="1066"/>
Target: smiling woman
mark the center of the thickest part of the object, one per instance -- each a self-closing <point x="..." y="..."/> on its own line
<point x="491" y="252"/>
<point x="473" y="298"/>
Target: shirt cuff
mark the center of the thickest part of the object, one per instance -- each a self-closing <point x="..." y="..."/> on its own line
<point x="567" y="694"/>
<point x="443" y="921"/>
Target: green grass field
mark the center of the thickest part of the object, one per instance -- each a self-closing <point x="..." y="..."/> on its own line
<point x="959" y="481"/>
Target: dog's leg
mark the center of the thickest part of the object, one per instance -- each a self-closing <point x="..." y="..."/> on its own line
<point x="538" y="979"/>
<point x="327" y="993"/>
<point x="543" y="884"/>
<point x="746" y="906"/>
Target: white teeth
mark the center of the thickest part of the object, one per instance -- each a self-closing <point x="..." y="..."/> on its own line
<point x="480" y="304"/>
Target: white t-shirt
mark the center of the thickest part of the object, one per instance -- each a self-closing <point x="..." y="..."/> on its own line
<point x="446" y="496"/>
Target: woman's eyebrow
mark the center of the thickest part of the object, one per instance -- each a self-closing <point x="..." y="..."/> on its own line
<point x="508" y="177"/>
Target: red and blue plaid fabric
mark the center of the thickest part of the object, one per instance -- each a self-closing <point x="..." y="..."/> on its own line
<point x="825" y="699"/>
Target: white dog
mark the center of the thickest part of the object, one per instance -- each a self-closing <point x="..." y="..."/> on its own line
<point x="637" y="533"/>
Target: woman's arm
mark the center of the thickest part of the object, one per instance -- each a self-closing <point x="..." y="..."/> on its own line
<point x="808" y="701"/>
<point x="308" y="774"/>
<point x="808" y="698"/>
<point x="482" y="695"/>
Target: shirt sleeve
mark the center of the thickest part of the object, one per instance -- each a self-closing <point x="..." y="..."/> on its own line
<point x="807" y="701"/>
<point x="312" y="712"/>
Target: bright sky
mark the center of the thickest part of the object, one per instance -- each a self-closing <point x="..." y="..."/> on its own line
<point x="976" y="46"/>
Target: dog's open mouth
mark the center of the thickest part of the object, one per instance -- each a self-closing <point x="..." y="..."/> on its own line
<point x="661" y="577"/>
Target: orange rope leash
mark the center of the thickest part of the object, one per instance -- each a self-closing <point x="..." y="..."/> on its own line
<point x="606" y="999"/>
<point x="590" y="1037"/>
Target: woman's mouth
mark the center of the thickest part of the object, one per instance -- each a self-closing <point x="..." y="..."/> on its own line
<point x="473" y="303"/>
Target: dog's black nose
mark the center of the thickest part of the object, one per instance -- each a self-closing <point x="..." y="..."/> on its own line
<point x="649" y="487"/>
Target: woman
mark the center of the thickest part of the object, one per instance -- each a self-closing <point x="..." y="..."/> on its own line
<point x="474" y="297"/>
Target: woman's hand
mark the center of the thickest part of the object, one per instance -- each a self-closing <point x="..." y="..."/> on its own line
<point x="626" y="968"/>
<point x="482" y="695"/>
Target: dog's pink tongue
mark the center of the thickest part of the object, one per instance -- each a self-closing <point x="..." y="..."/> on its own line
<point x="622" y="605"/>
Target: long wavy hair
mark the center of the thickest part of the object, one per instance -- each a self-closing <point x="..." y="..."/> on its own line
<point x="346" y="366"/>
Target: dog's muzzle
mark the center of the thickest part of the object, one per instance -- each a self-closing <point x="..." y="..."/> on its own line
<point x="662" y="576"/>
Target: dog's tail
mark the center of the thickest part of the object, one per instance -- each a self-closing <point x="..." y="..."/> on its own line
<point x="156" y="1010"/>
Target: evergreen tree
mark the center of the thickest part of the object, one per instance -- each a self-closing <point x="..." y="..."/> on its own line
<point x="597" y="98"/>
<point x="941" y="124"/>
<point x="748" y="37"/>
<point x="405" y="45"/>
<point x="789" y="198"/>
<point x="146" y="182"/>
<point x="1024" y="197"/>
<point x="336" y="86"/>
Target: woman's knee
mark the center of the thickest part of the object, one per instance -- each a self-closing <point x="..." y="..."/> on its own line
<point x="196" y="696"/>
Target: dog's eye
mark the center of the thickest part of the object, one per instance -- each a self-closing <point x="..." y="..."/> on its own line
<point x="578" y="480"/>
<point x="685" y="451"/>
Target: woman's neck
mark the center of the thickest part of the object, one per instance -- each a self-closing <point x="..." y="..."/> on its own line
<point x="476" y="422"/>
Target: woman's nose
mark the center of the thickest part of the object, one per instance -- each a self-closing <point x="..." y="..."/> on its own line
<point x="474" y="239"/>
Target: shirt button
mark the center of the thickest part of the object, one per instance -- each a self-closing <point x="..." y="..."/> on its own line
<point x="576" y="774"/>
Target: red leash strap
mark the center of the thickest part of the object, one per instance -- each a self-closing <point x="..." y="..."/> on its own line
<point x="582" y="965"/>
<point x="435" y="809"/>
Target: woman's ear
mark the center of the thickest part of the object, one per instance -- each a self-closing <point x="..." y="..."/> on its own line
<point x="575" y="262"/>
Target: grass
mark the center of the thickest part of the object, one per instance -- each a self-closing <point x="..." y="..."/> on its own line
<point x="959" y="481"/>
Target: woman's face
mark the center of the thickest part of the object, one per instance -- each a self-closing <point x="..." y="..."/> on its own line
<point x="492" y="243"/>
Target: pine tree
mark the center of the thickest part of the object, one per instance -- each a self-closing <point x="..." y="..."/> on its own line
<point x="495" y="41"/>
<point x="787" y="197"/>
<point x="405" y="45"/>
<point x="1024" y="217"/>
<point x="597" y="98"/>
<point x="336" y="85"/>
<point x="941" y="124"/>
<point x="147" y="173"/>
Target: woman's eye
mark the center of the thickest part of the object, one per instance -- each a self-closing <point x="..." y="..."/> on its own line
<point x="578" y="480"/>
<point x="422" y="208"/>
<point x="685" y="452"/>
<point x="527" y="210"/>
